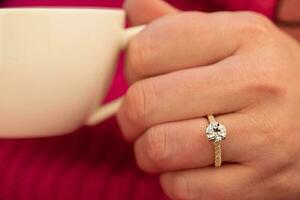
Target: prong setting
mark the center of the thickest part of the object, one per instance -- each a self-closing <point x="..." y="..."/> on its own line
<point x="216" y="132"/>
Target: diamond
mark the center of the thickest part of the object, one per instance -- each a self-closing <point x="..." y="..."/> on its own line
<point x="216" y="132"/>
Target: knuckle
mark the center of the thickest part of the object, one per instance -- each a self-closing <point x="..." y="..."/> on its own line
<point x="141" y="160"/>
<point x="255" y="17"/>
<point x="140" y="50"/>
<point x="156" y="146"/>
<point x="181" y="189"/>
<point x="139" y="103"/>
<point x="254" y="24"/>
<point x="280" y="184"/>
<point x="264" y="88"/>
<point x="264" y="82"/>
<point x="135" y="104"/>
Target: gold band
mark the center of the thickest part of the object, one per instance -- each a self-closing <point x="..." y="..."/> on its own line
<point x="218" y="154"/>
<point x="217" y="145"/>
<point x="211" y="119"/>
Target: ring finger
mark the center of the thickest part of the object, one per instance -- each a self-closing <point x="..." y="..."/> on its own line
<point x="184" y="145"/>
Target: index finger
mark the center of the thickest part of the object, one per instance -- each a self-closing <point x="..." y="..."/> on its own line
<point x="190" y="39"/>
<point x="152" y="9"/>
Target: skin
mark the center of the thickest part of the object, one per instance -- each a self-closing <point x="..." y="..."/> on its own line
<point x="238" y="66"/>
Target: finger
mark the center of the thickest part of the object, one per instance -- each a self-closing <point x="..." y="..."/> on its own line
<point x="231" y="182"/>
<point x="187" y="94"/>
<point x="141" y="12"/>
<point x="170" y="43"/>
<point x="184" y="145"/>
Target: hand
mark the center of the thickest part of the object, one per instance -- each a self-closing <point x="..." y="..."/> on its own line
<point x="237" y="66"/>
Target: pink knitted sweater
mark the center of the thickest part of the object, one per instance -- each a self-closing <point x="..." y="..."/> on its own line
<point x="91" y="163"/>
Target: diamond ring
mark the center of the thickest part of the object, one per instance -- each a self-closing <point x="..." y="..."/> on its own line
<point x="216" y="132"/>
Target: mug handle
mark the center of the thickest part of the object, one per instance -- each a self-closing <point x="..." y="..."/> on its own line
<point x="106" y="111"/>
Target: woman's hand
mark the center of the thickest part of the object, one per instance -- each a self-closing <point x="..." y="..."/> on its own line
<point x="237" y="66"/>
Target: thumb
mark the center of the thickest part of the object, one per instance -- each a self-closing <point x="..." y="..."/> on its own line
<point x="145" y="11"/>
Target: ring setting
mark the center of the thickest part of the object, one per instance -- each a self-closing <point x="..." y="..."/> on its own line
<point x="216" y="132"/>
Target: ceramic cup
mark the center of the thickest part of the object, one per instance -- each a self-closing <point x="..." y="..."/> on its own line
<point x="56" y="65"/>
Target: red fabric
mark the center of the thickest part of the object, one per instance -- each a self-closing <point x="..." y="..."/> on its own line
<point x="91" y="163"/>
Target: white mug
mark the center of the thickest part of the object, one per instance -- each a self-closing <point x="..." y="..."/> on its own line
<point x="56" y="65"/>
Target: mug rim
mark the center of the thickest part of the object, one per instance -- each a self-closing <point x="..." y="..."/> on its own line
<point x="62" y="8"/>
